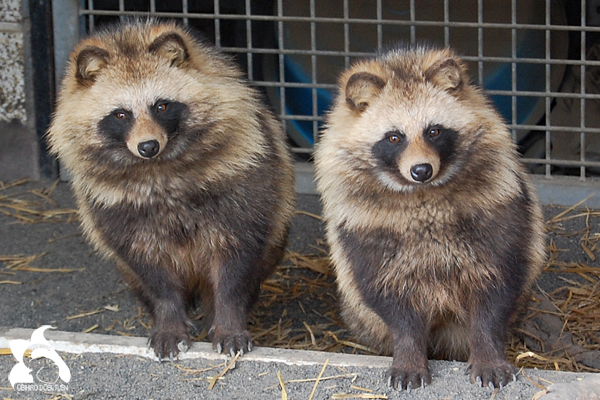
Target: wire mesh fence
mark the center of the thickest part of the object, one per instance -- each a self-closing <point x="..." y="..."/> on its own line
<point x="539" y="60"/>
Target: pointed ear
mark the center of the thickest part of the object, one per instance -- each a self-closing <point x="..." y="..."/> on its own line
<point x="361" y="89"/>
<point x="171" y="46"/>
<point x="90" y="62"/>
<point x="447" y="74"/>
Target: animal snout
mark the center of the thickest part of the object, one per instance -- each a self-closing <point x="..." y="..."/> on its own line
<point x="421" y="172"/>
<point x="149" y="148"/>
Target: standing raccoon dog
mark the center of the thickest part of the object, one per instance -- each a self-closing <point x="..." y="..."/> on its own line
<point x="434" y="230"/>
<point x="181" y="176"/>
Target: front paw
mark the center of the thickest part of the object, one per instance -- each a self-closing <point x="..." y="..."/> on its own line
<point x="167" y="344"/>
<point x="230" y="342"/>
<point x="492" y="374"/>
<point x="408" y="378"/>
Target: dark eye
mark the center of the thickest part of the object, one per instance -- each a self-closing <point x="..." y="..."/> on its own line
<point x="434" y="132"/>
<point x="161" y="107"/>
<point x="121" y="114"/>
<point x="394" y="138"/>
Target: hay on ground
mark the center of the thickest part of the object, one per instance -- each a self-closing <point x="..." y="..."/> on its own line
<point x="298" y="306"/>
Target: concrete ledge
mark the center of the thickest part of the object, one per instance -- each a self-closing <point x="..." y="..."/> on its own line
<point x="567" y="191"/>
<point x="78" y="343"/>
<point x="557" y="190"/>
<point x="104" y="377"/>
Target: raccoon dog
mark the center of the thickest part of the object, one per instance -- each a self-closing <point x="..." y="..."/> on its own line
<point x="435" y="232"/>
<point x="181" y="175"/>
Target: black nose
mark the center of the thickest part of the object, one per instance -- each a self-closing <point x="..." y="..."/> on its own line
<point x="148" y="149"/>
<point x="421" y="172"/>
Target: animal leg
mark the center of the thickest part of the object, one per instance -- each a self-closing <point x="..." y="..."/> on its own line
<point x="488" y="328"/>
<point x="409" y="368"/>
<point x="163" y="291"/>
<point x="235" y="291"/>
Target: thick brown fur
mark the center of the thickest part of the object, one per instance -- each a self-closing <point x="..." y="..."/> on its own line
<point x="435" y="231"/>
<point x="181" y="174"/>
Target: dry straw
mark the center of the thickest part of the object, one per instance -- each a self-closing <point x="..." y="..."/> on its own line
<point x="298" y="307"/>
<point x="33" y="205"/>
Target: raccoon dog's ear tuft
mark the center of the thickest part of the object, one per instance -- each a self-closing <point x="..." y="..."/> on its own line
<point x="90" y="62"/>
<point x="171" y="46"/>
<point x="361" y="89"/>
<point x="447" y="74"/>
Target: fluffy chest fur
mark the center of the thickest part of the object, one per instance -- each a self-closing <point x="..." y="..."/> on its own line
<point x="428" y="240"/>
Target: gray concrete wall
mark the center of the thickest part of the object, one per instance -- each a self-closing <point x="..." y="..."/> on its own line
<point x="18" y="142"/>
<point x="12" y="81"/>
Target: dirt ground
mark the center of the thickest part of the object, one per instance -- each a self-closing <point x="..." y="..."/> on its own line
<point x="50" y="275"/>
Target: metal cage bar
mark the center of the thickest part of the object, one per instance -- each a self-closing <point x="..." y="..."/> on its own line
<point x="303" y="39"/>
<point x="548" y="98"/>
<point x="582" y="72"/>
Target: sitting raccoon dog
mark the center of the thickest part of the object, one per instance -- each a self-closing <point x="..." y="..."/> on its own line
<point x="181" y="175"/>
<point x="435" y="232"/>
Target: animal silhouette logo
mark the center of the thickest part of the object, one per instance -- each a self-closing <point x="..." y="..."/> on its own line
<point x="40" y="349"/>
